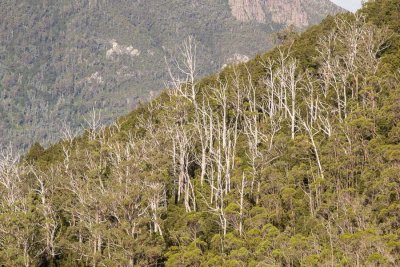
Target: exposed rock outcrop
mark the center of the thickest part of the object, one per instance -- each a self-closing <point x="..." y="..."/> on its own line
<point x="118" y="49"/>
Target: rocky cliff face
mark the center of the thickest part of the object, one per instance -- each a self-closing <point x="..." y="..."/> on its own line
<point x="296" y="12"/>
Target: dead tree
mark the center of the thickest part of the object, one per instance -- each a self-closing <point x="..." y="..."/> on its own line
<point x="349" y="54"/>
<point x="156" y="192"/>
<point x="225" y="135"/>
<point x="47" y="210"/>
<point x="309" y="121"/>
<point x="93" y="124"/>
<point x="282" y="83"/>
<point x="203" y="123"/>
<point x="14" y="201"/>
<point x="184" y="82"/>
<point x="181" y="155"/>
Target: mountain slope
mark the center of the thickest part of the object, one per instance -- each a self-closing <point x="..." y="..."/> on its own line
<point x="59" y="59"/>
<point x="291" y="159"/>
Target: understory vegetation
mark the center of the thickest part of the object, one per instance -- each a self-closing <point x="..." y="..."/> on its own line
<point x="291" y="159"/>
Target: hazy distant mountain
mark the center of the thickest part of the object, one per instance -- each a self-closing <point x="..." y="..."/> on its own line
<point x="59" y="59"/>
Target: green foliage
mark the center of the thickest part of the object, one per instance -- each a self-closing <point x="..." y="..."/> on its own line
<point x="131" y="194"/>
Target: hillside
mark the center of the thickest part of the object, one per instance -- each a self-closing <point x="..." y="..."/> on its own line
<point x="290" y="159"/>
<point x="59" y="59"/>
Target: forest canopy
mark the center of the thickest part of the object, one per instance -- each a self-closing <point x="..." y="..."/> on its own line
<point x="291" y="159"/>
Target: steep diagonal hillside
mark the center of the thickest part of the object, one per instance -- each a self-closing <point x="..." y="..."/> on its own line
<point x="290" y="159"/>
<point x="59" y="59"/>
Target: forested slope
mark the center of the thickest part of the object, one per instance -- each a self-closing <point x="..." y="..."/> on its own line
<point x="59" y="59"/>
<point x="292" y="159"/>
